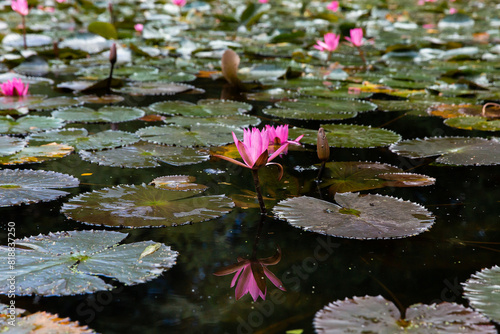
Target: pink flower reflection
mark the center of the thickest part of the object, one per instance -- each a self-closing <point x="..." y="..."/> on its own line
<point x="250" y="276"/>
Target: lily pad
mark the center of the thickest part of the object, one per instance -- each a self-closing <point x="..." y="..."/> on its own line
<point x="239" y="121"/>
<point x="454" y="110"/>
<point x="54" y="103"/>
<point x="353" y="136"/>
<point x="10" y="145"/>
<point x="111" y="114"/>
<point x="178" y="182"/>
<point x="28" y="124"/>
<point x="69" y="263"/>
<point x="482" y="292"/>
<point x="154" y="88"/>
<point x="356" y="216"/>
<point x="14" y="103"/>
<point x="460" y="151"/>
<point x="306" y="114"/>
<point x="474" y="123"/>
<point x="339" y="93"/>
<point x="145" y="155"/>
<point x="32" y="40"/>
<point x="144" y="206"/>
<point x="104" y="99"/>
<point x="378" y="315"/>
<point x="80" y="139"/>
<point x="204" y="108"/>
<point x="87" y="42"/>
<point x="198" y="135"/>
<point x="29" y="186"/>
<point x="37" y="154"/>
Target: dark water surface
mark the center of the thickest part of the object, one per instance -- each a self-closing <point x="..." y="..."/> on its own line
<point x="315" y="269"/>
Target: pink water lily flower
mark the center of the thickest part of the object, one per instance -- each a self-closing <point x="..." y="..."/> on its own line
<point x="15" y="87"/>
<point x="179" y="3"/>
<point x="356" y="37"/>
<point x="330" y="44"/>
<point x="61" y="1"/>
<point x="20" y="6"/>
<point x="139" y="27"/>
<point x="333" y="6"/>
<point x="252" y="279"/>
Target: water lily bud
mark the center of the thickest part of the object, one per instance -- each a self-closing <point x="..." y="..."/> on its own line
<point x="112" y="54"/>
<point x="229" y="64"/>
<point x="323" y="148"/>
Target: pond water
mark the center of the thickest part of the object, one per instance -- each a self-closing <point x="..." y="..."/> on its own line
<point x="315" y="269"/>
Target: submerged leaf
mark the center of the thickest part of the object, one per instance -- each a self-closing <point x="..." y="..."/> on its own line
<point x="144" y="206"/>
<point x="68" y="263"/>
<point x="356" y="216"/>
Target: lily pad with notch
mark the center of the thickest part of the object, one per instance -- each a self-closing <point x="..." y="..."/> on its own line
<point x="203" y="135"/>
<point x="37" y="154"/>
<point x="351" y="136"/>
<point x="370" y="314"/>
<point x="28" y="124"/>
<point x="69" y="263"/>
<point x="32" y="186"/>
<point x="460" y="151"/>
<point x="145" y="206"/>
<point x="146" y="155"/>
<point x="356" y="216"/>
<point x="204" y="108"/>
<point x="482" y="292"/>
<point x="108" y="114"/>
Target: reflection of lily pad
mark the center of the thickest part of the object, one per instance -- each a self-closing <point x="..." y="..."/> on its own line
<point x="37" y="154"/>
<point x="112" y="114"/>
<point x="80" y="139"/>
<point x="144" y="155"/>
<point x="29" y="186"/>
<point x="453" y="150"/>
<point x="10" y="145"/>
<point x="178" y="182"/>
<point x="482" y="292"/>
<point x="377" y="315"/>
<point x="204" y="108"/>
<point x="356" y="216"/>
<point x="474" y="123"/>
<point x="198" y="135"/>
<point x="68" y="263"/>
<point x="144" y="206"/>
<point x="28" y="124"/>
<point x="354" y="136"/>
<point x="154" y="88"/>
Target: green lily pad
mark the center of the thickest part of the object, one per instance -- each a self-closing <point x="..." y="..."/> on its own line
<point x="456" y="21"/>
<point x="37" y="154"/>
<point x="199" y="135"/>
<point x="104" y="29"/>
<point x="356" y="216"/>
<point x="455" y="110"/>
<point x="108" y="114"/>
<point x="28" y="124"/>
<point x="316" y="105"/>
<point x="104" y="99"/>
<point x="144" y="206"/>
<point x="154" y="88"/>
<point x="460" y="151"/>
<point x="238" y="121"/>
<point x="29" y="186"/>
<point x="340" y="93"/>
<point x="204" y="108"/>
<point x="69" y="263"/>
<point x="54" y="103"/>
<point x="178" y="182"/>
<point x="80" y="139"/>
<point x="145" y="155"/>
<point x="473" y="123"/>
<point x="378" y="315"/>
<point x="32" y="40"/>
<point x="482" y="292"/>
<point x="10" y="145"/>
<point x="306" y="114"/>
<point x="86" y="42"/>
<point x="169" y="76"/>
<point x="121" y="72"/>
<point x="353" y="136"/>
<point x="351" y="176"/>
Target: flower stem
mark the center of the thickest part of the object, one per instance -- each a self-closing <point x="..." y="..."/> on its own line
<point x="255" y="174"/>
<point x="362" y="55"/>
<point x="321" y="169"/>
<point x="110" y="78"/>
<point x="24" y="33"/>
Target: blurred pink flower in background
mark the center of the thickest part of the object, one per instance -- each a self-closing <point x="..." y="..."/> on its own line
<point x="263" y="1"/>
<point x="333" y="6"/>
<point x="356" y="37"/>
<point x="20" y="6"/>
<point x="179" y="3"/>
<point x="452" y="10"/>
<point x="330" y="44"/>
<point x="61" y="1"/>
<point x="139" y="27"/>
<point x="15" y="87"/>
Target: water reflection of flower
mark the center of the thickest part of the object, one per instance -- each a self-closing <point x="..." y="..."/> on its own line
<point x="250" y="276"/>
